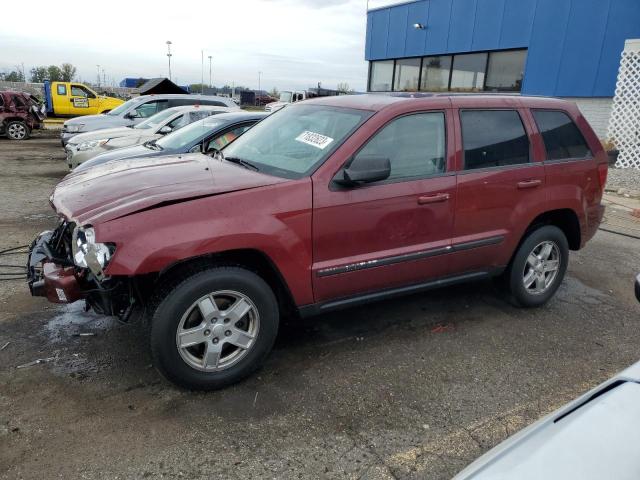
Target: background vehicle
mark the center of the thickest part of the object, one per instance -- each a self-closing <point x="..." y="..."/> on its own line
<point x="207" y="135"/>
<point x="19" y="114"/>
<point x="594" y="437"/>
<point x="73" y="99"/>
<point x="326" y="204"/>
<point x="136" y="110"/>
<point x="84" y="146"/>
<point x="286" y="97"/>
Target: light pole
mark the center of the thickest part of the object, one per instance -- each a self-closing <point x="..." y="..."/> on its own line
<point x="209" y="71"/>
<point x="201" y="71"/>
<point x="259" y="75"/>
<point x="98" y="74"/>
<point x="169" y="57"/>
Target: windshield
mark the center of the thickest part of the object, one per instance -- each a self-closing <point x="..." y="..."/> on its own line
<point x="285" y="97"/>
<point x="293" y="141"/>
<point x="156" y="120"/>
<point x="187" y="136"/>
<point x="122" y="108"/>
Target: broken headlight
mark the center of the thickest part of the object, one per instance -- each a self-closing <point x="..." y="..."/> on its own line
<point x="87" y="253"/>
<point x="92" y="144"/>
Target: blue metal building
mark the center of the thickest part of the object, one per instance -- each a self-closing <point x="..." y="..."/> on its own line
<point x="565" y="48"/>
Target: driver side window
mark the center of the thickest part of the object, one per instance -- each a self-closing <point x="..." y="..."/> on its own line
<point x="221" y="141"/>
<point x="80" y="91"/>
<point x="414" y="144"/>
<point x="150" y="108"/>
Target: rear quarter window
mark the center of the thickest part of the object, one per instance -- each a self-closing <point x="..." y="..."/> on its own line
<point x="62" y="89"/>
<point x="561" y="136"/>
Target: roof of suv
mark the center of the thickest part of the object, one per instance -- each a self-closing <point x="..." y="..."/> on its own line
<point x="174" y="96"/>
<point x="380" y="101"/>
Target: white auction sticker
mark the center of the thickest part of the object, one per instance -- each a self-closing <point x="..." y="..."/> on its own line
<point x="315" y="139"/>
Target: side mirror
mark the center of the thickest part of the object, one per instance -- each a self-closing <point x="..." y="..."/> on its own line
<point x="196" y="148"/>
<point x="166" y="129"/>
<point x="364" y="169"/>
<point x="131" y="115"/>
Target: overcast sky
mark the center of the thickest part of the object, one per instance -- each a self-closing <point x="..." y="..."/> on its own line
<point x="294" y="43"/>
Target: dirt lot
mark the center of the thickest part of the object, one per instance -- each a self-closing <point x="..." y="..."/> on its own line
<point x="412" y="388"/>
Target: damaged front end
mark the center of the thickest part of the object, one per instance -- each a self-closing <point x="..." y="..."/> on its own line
<point x="67" y="264"/>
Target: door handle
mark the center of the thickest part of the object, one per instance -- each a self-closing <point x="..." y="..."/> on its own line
<point x="437" y="198"/>
<point x="529" y="184"/>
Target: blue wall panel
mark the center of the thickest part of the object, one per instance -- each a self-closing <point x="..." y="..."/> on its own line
<point x="545" y="50"/>
<point x="416" y="38"/>
<point x="574" y="45"/>
<point x="397" y="31"/>
<point x="488" y="24"/>
<point x="438" y="26"/>
<point x="517" y="23"/>
<point x="463" y="16"/>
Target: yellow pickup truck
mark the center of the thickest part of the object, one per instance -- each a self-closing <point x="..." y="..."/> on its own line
<point x="74" y="99"/>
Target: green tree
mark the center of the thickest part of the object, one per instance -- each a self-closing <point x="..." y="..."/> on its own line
<point x="68" y="72"/>
<point x="39" y="74"/>
<point x="54" y="73"/>
<point x="14" y="76"/>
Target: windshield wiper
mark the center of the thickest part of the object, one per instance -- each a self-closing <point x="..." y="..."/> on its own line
<point x="244" y="163"/>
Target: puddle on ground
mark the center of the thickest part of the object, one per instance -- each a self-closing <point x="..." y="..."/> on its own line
<point x="574" y="291"/>
<point x="73" y="320"/>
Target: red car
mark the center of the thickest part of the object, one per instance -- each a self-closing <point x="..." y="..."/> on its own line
<point x="20" y="113"/>
<point x="326" y="204"/>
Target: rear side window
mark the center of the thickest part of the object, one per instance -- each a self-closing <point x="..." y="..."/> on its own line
<point x="214" y="103"/>
<point x="493" y="138"/>
<point x="562" y="138"/>
<point x="62" y="89"/>
<point x="414" y="145"/>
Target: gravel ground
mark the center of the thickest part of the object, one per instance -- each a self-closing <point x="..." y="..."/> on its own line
<point x="412" y="388"/>
<point x="627" y="178"/>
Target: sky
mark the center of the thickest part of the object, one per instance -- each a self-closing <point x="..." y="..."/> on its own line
<point x="294" y="43"/>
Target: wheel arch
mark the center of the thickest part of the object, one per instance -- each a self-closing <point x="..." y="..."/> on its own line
<point x="251" y="259"/>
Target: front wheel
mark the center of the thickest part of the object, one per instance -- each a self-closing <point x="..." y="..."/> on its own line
<point x="17" y="130"/>
<point x="539" y="266"/>
<point x="214" y="328"/>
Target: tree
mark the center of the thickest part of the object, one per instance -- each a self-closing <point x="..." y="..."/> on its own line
<point x="344" y="87"/>
<point x="13" y="76"/>
<point x="274" y="93"/>
<point x="39" y="74"/>
<point x="54" y="73"/>
<point x="68" y="72"/>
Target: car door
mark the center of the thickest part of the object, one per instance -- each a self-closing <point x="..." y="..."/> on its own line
<point x="82" y="101"/>
<point x="500" y="187"/>
<point x="393" y="232"/>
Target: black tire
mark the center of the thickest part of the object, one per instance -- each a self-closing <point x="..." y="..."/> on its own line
<point x="17" y="130"/>
<point x="178" y="297"/>
<point x="523" y="296"/>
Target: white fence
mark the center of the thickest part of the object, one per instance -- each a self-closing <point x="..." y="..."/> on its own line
<point x="624" y="126"/>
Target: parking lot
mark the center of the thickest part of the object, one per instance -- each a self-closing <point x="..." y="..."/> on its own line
<point x="416" y="387"/>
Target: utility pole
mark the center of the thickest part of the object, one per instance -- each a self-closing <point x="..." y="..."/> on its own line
<point x="24" y="77"/>
<point x="209" y="71"/>
<point x="169" y="57"/>
<point x="259" y="75"/>
<point x="104" y="78"/>
<point x="98" y="66"/>
<point x="201" y="71"/>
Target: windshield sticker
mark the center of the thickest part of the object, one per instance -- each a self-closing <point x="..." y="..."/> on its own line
<point x="314" y="139"/>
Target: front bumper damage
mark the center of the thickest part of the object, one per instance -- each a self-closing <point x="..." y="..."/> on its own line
<point x="51" y="273"/>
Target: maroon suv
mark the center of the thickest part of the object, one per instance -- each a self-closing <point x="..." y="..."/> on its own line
<point x="20" y="113"/>
<point x="326" y="204"/>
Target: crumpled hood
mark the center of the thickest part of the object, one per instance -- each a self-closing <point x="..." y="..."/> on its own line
<point x="118" y="189"/>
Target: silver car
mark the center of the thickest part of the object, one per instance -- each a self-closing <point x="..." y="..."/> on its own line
<point x="136" y="110"/>
<point x="84" y="146"/>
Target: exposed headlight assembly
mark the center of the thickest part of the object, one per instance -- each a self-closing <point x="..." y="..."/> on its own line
<point x="74" y="127"/>
<point x="92" y="144"/>
<point x="87" y="253"/>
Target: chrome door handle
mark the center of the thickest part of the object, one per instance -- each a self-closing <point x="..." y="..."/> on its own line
<point x="529" y="184"/>
<point x="437" y="198"/>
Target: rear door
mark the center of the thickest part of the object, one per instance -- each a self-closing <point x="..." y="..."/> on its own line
<point x="61" y="102"/>
<point x="394" y="232"/>
<point x="500" y="187"/>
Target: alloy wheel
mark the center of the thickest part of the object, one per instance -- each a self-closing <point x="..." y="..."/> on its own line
<point x="17" y="131"/>
<point x="217" y="331"/>
<point x="541" y="268"/>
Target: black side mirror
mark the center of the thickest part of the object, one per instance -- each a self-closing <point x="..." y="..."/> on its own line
<point x="364" y="169"/>
<point x="132" y="114"/>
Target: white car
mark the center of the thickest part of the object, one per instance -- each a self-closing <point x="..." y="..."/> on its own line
<point x="595" y="437"/>
<point x="87" y="145"/>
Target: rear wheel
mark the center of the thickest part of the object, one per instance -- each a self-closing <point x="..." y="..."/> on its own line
<point x="214" y="328"/>
<point x="17" y="130"/>
<point x="539" y="266"/>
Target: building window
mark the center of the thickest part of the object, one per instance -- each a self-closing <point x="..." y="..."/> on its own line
<point x="381" y="76"/>
<point x="505" y="71"/>
<point x="435" y="73"/>
<point x="407" y="75"/>
<point x="468" y="72"/>
<point x="493" y="138"/>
